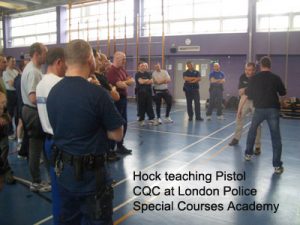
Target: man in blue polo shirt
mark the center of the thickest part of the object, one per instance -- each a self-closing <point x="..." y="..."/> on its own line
<point x="192" y="78"/>
<point x="217" y="79"/>
<point x="83" y="117"/>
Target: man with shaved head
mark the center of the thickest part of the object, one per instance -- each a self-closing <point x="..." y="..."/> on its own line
<point x="217" y="79"/>
<point x="117" y="76"/>
<point x="83" y="117"/>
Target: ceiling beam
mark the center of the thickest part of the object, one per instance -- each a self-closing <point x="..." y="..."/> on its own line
<point x="15" y="6"/>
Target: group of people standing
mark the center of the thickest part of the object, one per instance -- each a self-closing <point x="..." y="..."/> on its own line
<point x="259" y="94"/>
<point x="76" y="116"/>
<point x="146" y="84"/>
<point x="191" y="86"/>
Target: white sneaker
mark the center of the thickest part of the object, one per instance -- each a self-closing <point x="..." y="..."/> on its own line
<point x="153" y="122"/>
<point x="40" y="187"/>
<point x="278" y="170"/>
<point x="168" y="120"/>
<point x="159" y="120"/>
<point x="220" y="117"/>
<point x="19" y="145"/>
<point x="248" y="157"/>
<point x="208" y="117"/>
<point x="142" y="123"/>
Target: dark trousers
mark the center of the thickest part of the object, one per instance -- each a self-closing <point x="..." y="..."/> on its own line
<point x="145" y="105"/>
<point x="159" y="95"/>
<point x="121" y="105"/>
<point x="4" y="150"/>
<point x="36" y="141"/>
<point x="193" y="95"/>
<point x="94" y="207"/>
<point x="24" y="150"/>
<point x="271" y="115"/>
<point x="86" y="208"/>
<point x="215" y="100"/>
<point x="12" y="109"/>
<point x="54" y="186"/>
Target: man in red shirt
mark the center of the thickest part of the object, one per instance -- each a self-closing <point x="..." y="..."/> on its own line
<point x="117" y="76"/>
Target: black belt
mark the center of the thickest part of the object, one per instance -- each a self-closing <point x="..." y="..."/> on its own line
<point x="80" y="163"/>
<point x="31" y="107"/>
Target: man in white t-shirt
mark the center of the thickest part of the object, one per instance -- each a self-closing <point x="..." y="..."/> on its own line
<point x="30" y="78"/>
<point x="56" y="70"/>
<point x="161" y="78"/>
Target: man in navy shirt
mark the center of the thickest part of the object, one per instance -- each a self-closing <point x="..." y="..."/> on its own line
<point x="83" y="117"/>
<point x="192" y="78"/>
<point x="217" y="79"/>
<point x="264" y="89"/>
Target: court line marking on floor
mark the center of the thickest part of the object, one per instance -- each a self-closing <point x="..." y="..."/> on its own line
<point x="185" y="164"/>
<point x="177" y="152"/>
<point x="168" y="132"/>
<point x="180" y="168"/>
<point x="44" y="220"/>
<point x="158" y="162"/>
<point x="132" y="212"/>
<point x="27" y="183"/>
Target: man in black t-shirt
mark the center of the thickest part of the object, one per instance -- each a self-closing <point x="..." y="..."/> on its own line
<point x="264" y="89"/>
<point x="143" y="80"/>
<point x="83" y="118"/>
<point x="247" y="107"/>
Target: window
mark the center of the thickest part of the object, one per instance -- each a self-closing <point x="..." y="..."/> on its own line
<point x="1" y="34"/>
<point x="36" y="26"/>
<point x="195" y="17"/>
<point x="89" y="21"/>
<point x="278" y="15"/>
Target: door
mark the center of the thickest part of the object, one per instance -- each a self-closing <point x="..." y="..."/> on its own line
<point x="203" y="66"/>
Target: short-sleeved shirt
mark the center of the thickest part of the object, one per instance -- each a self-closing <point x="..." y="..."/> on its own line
<point x="162" y="75"/>
<point x="115" y="75"/>
<point x="264" y="89"/>
<point x="191" y="73"/>
<point x="9" y="75"/>
<point x="80" y="114"/>
<point x="31" y="76"/>
<point x="218" y="76"/>
<point x="244" y="81"/>
<point x="42" y="91"/>
<point x="143" y="87"/>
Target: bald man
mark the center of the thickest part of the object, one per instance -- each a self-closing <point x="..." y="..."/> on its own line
<point x="217" y="79"/>
<point x="117" y="76"/>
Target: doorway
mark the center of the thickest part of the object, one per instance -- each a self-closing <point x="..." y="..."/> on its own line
<point x="203" y="66"/>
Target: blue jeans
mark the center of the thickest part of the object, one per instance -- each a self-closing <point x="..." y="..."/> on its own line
<point x="55" y="194"/>
<point x="271" y="115"/>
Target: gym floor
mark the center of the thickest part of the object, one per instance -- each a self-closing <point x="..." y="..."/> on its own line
<point x="181" y="147"/>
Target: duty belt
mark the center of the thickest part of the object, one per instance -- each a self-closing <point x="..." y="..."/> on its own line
<point x="79" y="162"/>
